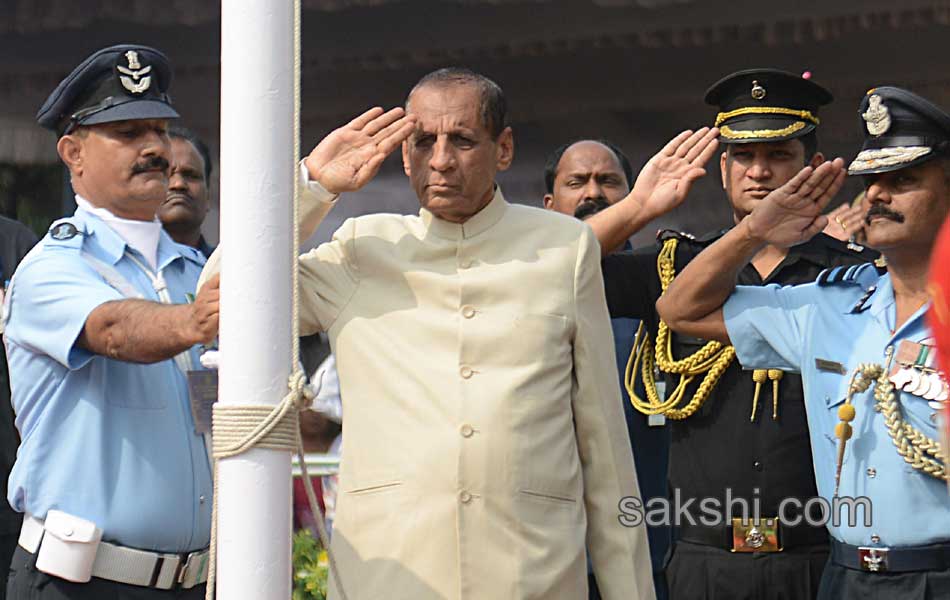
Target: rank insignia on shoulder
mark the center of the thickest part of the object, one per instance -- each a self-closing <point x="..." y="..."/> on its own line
<point x="63" y="231"/>
<point x="853" y="275"/>
<point x="665" y="234"/>
<point x="860" y="305"/>
<point x="830" y="276"/>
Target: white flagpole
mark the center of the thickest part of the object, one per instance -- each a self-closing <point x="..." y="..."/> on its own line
<point x="254" y="504"/>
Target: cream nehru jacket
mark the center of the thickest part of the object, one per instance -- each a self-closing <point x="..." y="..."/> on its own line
<point x="485" y="442"/>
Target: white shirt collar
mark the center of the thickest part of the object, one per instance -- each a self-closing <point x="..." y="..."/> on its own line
<point x="143" y="236"/>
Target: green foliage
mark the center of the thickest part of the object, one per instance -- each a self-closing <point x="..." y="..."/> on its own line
<point x="310" y="567"/>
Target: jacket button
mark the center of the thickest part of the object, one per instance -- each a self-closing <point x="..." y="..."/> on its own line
<point x="468" y="312"/>
<point x="465" y="497"/>
<point x="872" y="472"/>
<point x="466" y="372"/>
<point x="757" y="466"/>
<point x="467" y="430"/>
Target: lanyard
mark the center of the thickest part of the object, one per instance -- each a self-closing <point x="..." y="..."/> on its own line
<point x="183" y="360"/>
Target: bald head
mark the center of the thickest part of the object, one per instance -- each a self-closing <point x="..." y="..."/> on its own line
<point x="585" y="177"/>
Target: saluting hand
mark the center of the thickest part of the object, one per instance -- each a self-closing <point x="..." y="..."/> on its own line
<point x="791" y="214"/>
<point x="846" y="221"/>
<point x="349" y="157"/>
<point x="667" y="177"/>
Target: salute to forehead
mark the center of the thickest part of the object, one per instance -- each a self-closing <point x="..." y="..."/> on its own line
<point x="456" y="109"/>
<point x="767" y="120"/>
<point x="461" y="140"/>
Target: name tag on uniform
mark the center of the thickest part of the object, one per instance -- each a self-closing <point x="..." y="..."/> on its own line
<point x="830" y="366"/>
<point x="203" y="390"/>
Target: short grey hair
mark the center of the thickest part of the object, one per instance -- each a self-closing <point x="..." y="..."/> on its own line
<point x="494" y="109"/>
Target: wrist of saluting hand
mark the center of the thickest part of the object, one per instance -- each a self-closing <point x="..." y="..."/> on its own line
<point x="752" y="231"/>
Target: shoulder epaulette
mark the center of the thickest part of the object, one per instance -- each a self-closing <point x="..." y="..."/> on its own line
<point x="711" y="236"/>
<point x="64" y="233"/>
<point x="665" y="234"/>
<point x="852" y="275"/>
<point x="843" y="247"/>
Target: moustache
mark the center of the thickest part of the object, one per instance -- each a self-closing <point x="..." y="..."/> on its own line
<point x="588" y="208"/>
<point x="879" y="210"/>
<point x="152" y="163"/>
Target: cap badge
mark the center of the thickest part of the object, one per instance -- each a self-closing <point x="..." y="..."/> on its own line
<point x="132" y="75"/>
<point x="877" y="117"/>
<point x="758" y="92"/>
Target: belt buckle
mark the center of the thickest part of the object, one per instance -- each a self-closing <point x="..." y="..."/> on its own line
<point x="194" y="564"/>
<point x="180" y="570"/>
<point x="873" y="560"/>
<point x="755" y="535"/>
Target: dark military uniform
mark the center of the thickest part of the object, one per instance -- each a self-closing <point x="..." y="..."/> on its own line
<point x="727" y="449"/>
<point x="733" y="448"/>
<point x="719" y="453"/>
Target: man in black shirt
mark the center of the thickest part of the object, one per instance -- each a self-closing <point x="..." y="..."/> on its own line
<point x="15" y="241"/>
<point x="739" y="437"/>
<point x="583" y="178"/>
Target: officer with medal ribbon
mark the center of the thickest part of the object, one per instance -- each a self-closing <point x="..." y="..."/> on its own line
<point x="113" y="479"/>
<point x="737" y="436"/>
<point x="860" y="339"/>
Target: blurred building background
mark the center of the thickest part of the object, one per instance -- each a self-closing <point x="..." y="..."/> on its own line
<point x="633" y="71"/>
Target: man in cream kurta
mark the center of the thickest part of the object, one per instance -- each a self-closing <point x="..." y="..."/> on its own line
<point x="484" y="437"/>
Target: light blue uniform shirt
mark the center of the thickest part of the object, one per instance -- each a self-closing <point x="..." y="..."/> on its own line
<point x="109" y="441"/>
<point x="848" y="322"/>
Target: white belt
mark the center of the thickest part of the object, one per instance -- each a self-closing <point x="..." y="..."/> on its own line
<point x="131" y="566"/>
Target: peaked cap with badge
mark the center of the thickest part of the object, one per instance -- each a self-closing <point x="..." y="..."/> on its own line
<point x="766" y="105"/>
<point x="901" y="129"/>
<point x="119" y="83"/>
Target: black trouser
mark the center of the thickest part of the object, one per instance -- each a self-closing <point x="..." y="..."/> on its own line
<point x="699" y="572"/>
<point x="8" y="543"/>
<point x="659" y="585"/>
<point x="842" y="583"/>
<point x="26" y="583"/>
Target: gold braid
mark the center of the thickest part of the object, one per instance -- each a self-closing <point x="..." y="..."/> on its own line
<point x="918" y="450"/>
<point x="712" y="359"/>
<point x="911" y="443"/>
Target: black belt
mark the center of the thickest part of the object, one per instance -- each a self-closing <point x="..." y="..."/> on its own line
<point x="722" y="536"/>
<point x="891" y="560"/>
